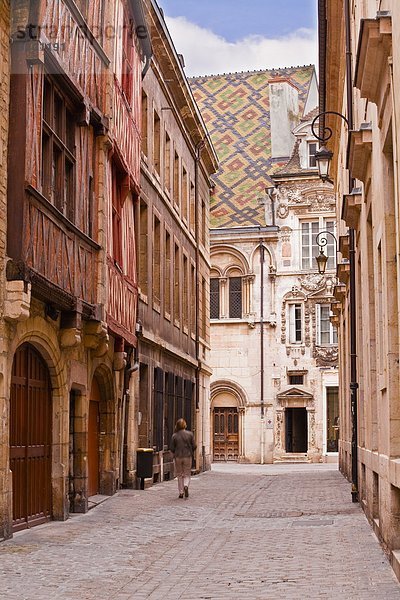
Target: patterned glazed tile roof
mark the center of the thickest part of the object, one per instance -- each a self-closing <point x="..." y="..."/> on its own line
<point x="235" y="108"/>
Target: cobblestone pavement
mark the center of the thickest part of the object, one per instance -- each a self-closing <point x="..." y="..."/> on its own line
<point x="273" y="532"/>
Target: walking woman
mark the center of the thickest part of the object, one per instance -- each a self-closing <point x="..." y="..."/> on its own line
<point x="183" y="447"/>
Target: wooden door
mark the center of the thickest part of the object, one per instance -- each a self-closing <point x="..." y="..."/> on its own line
<point x="30" y="439"/>
<point x="226" y="434"/>
<point x="93" y="441"/>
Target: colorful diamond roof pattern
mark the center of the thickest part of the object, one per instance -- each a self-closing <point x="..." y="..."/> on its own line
<point x="235" y="108"/>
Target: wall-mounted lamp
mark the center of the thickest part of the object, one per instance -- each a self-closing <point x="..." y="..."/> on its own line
<point x="324" y="156"/>
<point x="322" y="258"/>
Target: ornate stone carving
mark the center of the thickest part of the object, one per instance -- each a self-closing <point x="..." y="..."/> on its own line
<point x="282" y="211"/>
<point x="307" y="335"/>
<point x="326" y="355"/>
<point x="96" y="337"/>
<point x="17" y="301"/>
<point x="285" y="233"/>
<point x="302" y="194"/>
<point x="278" y="430"/>
<point x="312" y="282"/>
<point x="312" y="428"/>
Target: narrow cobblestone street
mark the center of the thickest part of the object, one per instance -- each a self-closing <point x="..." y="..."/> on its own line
<point x="246" y="531"/>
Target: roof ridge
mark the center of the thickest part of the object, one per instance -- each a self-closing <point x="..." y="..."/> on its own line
<point x="276" y="69"/>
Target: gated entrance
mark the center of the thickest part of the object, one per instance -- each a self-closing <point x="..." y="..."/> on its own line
<point x="30" y="439"/>
<point x="226" y="434"/>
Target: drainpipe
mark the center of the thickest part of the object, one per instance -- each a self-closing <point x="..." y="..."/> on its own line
<point x="198" y="149"/>
<point x="262" y="347"/>
<point x="352" y="258"/>
<point x="142" y="33"/>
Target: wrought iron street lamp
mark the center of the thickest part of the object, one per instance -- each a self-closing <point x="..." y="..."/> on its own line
<point x="324" y="156"/>
<point x="322" y="242"/>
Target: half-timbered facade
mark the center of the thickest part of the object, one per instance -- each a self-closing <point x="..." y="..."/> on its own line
<point x="71" y="289"/>
<point x="173" y="256"/>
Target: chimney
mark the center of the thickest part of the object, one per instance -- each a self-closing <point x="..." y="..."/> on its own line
<point x="284" y="116"/>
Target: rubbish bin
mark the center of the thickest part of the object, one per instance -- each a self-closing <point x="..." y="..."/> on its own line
<point x="144" y="464"/>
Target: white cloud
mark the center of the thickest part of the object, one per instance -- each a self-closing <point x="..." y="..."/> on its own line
<point x="206" y="53"/>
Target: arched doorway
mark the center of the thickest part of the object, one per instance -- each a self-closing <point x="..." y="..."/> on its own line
<point x="226" y="434"/>
<point x="228" y="402"/>
<point x="30" y="438"/>
<point x="93" y="440"/>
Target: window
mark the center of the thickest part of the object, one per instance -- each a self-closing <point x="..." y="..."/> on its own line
<point x="235" y="297"/>
<point x="326" y="332"/>
<point x="192" y="206"/>
<point x="203" y="223"/>
<point x="167" y="271"/>
<point x="127" y="59"/>
<point x="116" y="216"/>
<point x="58" y="151"/>
<point x="176" y="180"/>
<point x="188" y="408"/>
<point x="295" y="323"/>
<point x="204" y="323"/>
<point x="309" y="246"/>
<point x="156" y="142"/>
<point x="176" y="284"/>
<point x="185" y="192"/>
<point x="214" y="298"/>
<point x="156" y="261"/>
<point x="193" y="299"/>
<point x="158" y="413"/>
<point x="185" y="310"/>
<point x="296" y="379"/>
<point x="312" y="149"/>
<point x="167" y="162"/>
<point x="143" y="248"/>
<point x="144" y="123"/>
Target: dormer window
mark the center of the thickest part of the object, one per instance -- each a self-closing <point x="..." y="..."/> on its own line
<point x="312" y="150"/>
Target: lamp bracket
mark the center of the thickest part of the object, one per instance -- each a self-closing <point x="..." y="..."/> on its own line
<point x="326" y="131"/>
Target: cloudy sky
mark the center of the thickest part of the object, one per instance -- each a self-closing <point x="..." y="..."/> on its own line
<point x="217" y="36"/>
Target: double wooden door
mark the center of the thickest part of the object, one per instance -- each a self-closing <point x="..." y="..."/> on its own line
<point x="30" y="439"/>
<point x="226" y="434"/>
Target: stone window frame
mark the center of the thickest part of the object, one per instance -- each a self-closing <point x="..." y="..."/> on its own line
<point x="232" y="271"/>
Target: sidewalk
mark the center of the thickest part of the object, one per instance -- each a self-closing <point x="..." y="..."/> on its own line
<point x="246" y="532"/>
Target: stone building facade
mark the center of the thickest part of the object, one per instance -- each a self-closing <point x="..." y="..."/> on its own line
<point x="173" y="251"/>
<point x="273" y="349"/>
<point x="363" y="88"/>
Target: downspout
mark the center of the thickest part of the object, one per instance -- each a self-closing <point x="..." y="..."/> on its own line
<point x="352" y="258"/>
<point x="262" y="347"/>
<point x="142" y="33"/>
<point x="198" y="148"/>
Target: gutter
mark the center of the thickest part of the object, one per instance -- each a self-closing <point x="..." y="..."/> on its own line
<point x="142" y="33"/>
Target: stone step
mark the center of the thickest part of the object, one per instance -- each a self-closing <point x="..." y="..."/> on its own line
<point x="292" y="457"/>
